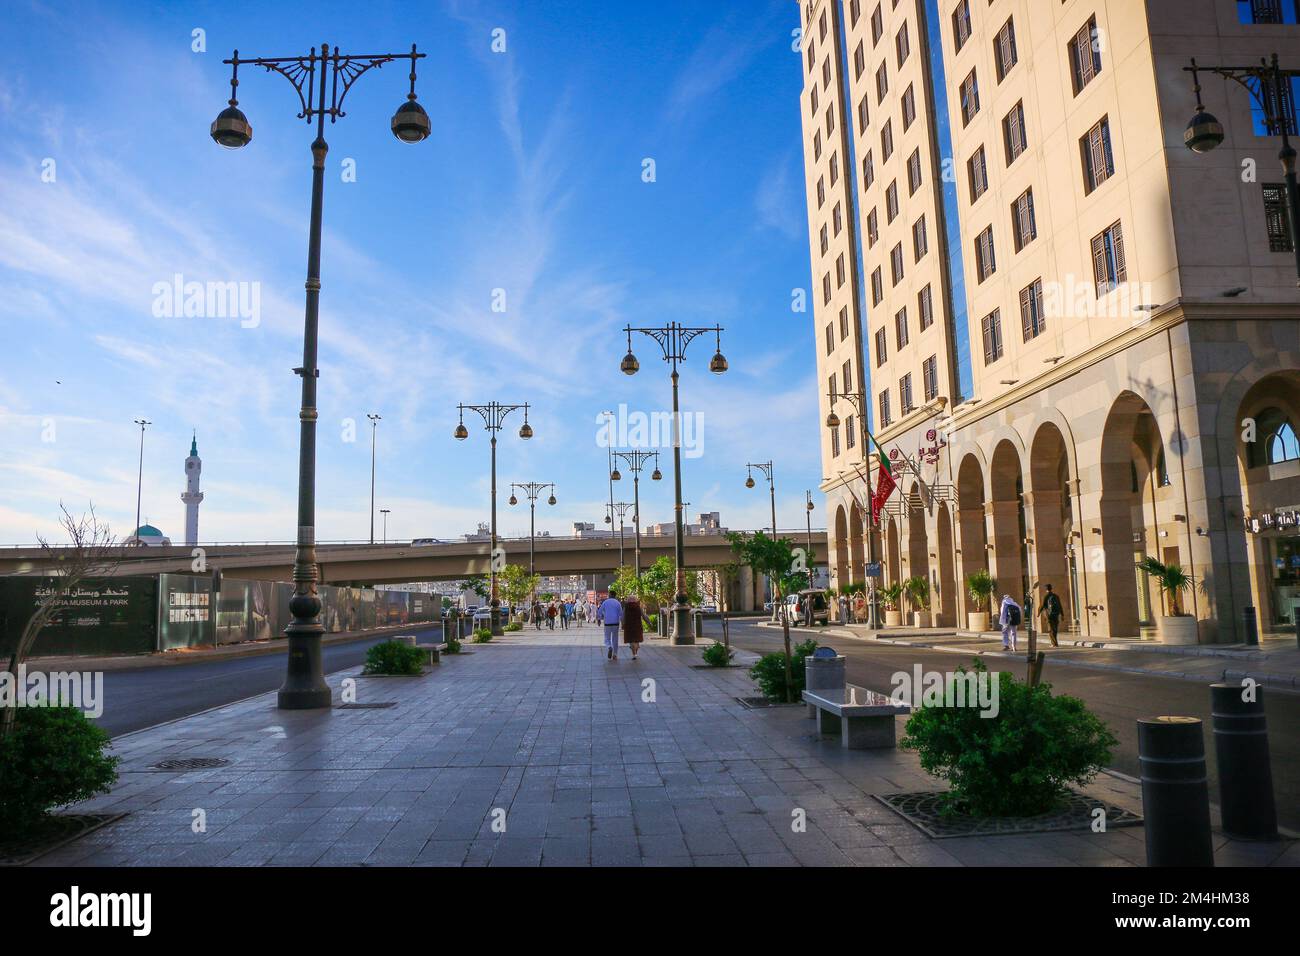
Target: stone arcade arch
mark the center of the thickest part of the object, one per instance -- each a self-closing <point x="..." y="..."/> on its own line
<point x="944" y="598"/>
<point x="841" y="547"/>
<point x="970" y="523"/>
<point x="1050" y="505"/>
<point x="918" y="550"/>
<point x="856" y="549"/>
<point x="1006" y="511"/>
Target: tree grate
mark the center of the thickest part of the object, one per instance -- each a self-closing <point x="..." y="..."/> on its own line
<point x="190" y="763"/>
<point x="1076" y="811"/>
<point x="379" y="705"/>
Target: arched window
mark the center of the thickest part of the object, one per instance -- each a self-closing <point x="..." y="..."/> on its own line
<point x="1275" y="440"/>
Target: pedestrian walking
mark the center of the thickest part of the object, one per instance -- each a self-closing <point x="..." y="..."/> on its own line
<point x="633" y="620"/>
<point x="551" y="613"/>
<point x="1052" y="610"/>
<point x="1009" y="620"/>
<point x="610" y="614"/>
<point x="859" y="608"/>
<point x="537" y="615"/>
<point x="843" y="603"/>
<point x="566" y="612"/>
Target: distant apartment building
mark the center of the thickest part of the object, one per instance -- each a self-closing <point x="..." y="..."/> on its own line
<point x="976" y="168"/>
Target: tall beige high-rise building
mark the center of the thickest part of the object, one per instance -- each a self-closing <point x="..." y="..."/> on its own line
<point x="978" y="168"/>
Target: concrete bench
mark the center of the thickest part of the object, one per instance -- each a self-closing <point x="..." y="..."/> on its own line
<point x="433" y="650"/>
<point x="863" y="719"/>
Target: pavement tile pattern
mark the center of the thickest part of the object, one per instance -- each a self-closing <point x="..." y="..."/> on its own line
<point x="537" y="751"/>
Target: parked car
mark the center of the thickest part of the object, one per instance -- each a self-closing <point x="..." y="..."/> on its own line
<point x="797" y="607"/>
<point x="709" y="608"/>
<point x="483" y="616"/>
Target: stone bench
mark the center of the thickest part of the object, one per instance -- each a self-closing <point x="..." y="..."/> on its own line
<point x="434" y="651"/>
<point x="863" y="719"/>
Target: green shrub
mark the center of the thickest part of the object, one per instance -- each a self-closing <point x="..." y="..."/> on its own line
<point x="717" y="655"/>
<point x="769" y="672"/>
<point x="394" y="657"/>
<point x="1017" y="763"/>
<point x="483" y="635"/>
<point x="453" y="646"/>
<point x="514" y="626"/>
<point x="653" y="621"/>
<point x="53" y="757"/>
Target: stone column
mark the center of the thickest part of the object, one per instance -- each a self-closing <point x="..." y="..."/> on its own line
<point x="1004" y="534"/>
<point x="1049" y="566"/>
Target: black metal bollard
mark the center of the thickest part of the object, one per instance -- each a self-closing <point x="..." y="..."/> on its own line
<point x="1252" y="627"/>
<point x="1175" y="791"/>
<point x="1245" y="775"/>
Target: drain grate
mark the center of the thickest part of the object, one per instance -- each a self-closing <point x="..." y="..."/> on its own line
<point x="1076" y="812"/>
<point x="379" y="705"/>
<point x="190" y="763"/>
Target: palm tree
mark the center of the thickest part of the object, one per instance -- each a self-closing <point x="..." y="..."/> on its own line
<point x="1172" y="581"/>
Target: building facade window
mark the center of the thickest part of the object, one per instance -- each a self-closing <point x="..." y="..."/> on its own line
<point x="864" y="115"/>
<point x="826" y="289"/>
<point x="970" y="98"/>
<point x="902" y="44"/>
<point x="977" y="171"/>
<point x="1004" y="49"/>
<point x="821" y="192"/>
<point x="873" y="230"/>
<point x="830" y="120"/>
<point x="900" y="328"/>
<point x="837" y="219"/>
<point x="839" y="270"/>
<point x="877" y="286"/>
<point x="1084" y="51"/>
<point x="885" y="417"/>
<point x="824" y="239"/>
<point x="830" y="337"/>
<point x="844" y="323"/>
<point x="817" y="145"/>
<point x="1268" y="11"/>
<point x="920" y="242"/>
<point x="887" y="140"/>
<point x="961" y="24"/>
<point x="835" y="442"/>
<point x="877" y="24"/>
<point x="985" y="260"/>
<point x="882" y="347"/>
<point x="925" y="307"/>
<point x="930" y="378"/>
<point x="882" y="82"/>
<point x="891" y="201"/>
<point x="1108" y="265"/>
<point x="909" y="108"/>
<point x="850" y="433"/>
<point x="847" y="372"/>
<point x="859" y="61"/>
<point x="1013" y="132"/>
<point x="1098" y="160"/>
<point x="1032" y="320"/>
<point x="914" y="171"/>
<point x="835" y="168"/>
<point x="1023" y="228"/>
<point x="905" y="394"/>
<point x="896" y="263"/>
<point x="1277" y="215"/>
<point x="868" y="171"/>
<point x="991" y="326"/>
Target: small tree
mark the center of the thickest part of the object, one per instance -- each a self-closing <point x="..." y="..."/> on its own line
<point x="91" y="552"/>
<point x="626" y="583"/>
<point x="775" y="558"/>
<point x="480" y="584"/>
<point x="1172" y="581"/>
<point x="890" y="593"/>
<point x="980" y="587"/>
<point x="918" y="592"/>
<point x="517" y="584"/>
<point x="659" y="583"/>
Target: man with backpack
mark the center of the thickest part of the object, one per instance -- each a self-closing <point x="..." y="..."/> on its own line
<point x="1052" y="610"/>
<point x="1009" y="620"/>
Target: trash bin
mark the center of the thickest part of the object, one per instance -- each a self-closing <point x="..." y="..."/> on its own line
<point x="823" y="670"/>
<point x="698" y="621"/>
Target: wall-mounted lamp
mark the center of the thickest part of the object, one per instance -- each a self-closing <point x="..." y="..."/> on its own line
<point x="1096" y="531"/>
<point x="1202" y="533"/>
<point x="1164" y="534"/>
<point x="1180" y="517"/>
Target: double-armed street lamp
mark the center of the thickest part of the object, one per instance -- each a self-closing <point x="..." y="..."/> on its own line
<point x="493" y="415"/>
<point x="620" y="509"/>
<point x="673" y="339"/>
<point x="766" y="468"/>
<point x="635" y="461"/>
<point x="533" y="490"/>
<point x="385" y="512"/>
<point x="321" y="79"/>
<point x="1270" y="87"/>
<point x="139" y="480"/>
<point x="374" y="426"/>
<point x="808" y="510"/>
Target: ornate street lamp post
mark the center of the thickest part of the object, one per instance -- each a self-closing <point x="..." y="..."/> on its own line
<point x="673" y="339"/>
<point x="808" y="510"/>
<point x="139" y="480"/>
<point x="532" y="489"/>
<point x="1270" y="87"/>
<point x="374" y="427"/>
<point x="311" y="75"/>
<point x="766" y="468"/>
<point x="493" y="415"/>
<point x="635" y="461"/>
<point x="860" y="402"/>
<point x="620" y="509"/>
<point x="385" y="512"/>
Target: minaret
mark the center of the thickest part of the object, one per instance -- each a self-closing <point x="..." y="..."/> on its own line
<point x="192" y="496"/>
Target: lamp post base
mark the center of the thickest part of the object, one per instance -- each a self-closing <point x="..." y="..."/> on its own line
<point x="304" y="682"/>
<point x="682" y="632"/>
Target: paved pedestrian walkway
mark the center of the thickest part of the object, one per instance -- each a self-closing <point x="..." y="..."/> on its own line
<point x="1274" y="662"/>
<point x="584" y="761"/>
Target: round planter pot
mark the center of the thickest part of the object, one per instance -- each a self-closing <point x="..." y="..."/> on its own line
<point x="977" y="621"/>
<point x="921" y="619"/>
<point x="1177" y="630"/>
<point x="893" y="618"/>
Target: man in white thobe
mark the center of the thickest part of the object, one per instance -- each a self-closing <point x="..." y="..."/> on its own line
<point x="611" y="615"/>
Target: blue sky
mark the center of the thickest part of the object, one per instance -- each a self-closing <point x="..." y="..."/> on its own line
<point x="531" y="183"/>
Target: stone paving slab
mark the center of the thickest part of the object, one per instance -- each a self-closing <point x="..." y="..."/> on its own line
<point x="569" y="751"/>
